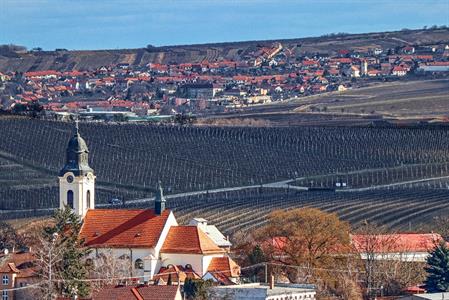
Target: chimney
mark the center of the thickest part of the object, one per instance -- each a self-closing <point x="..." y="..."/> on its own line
<point x="159" y="201"/>
<point x="271" y="282"/>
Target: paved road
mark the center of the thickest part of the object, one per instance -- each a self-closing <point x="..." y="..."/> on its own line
<point x="284" y="184"/>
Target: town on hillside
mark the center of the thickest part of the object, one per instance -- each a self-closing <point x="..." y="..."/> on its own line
<point x="267" y="74"/>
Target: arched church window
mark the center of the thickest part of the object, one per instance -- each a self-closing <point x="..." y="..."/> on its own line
<point x="70" y="198"/>
<point x="88" y="199"/>
<point x="138" y="264"/>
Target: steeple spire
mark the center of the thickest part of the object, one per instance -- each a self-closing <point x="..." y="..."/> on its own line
<point x="77" y="155"/>
<point x="159" y="201"/>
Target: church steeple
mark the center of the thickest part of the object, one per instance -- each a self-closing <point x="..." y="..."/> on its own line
<point x="77" y="156"/>
<point x="76" y="178"/>
<point x="159" y="201"/>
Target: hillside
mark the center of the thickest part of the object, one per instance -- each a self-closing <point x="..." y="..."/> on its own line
<point x="209" y="170"/>
<point x="89" y="60"/>
<point x="398" y="102"/>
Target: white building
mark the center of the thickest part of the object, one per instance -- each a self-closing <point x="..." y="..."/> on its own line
<point x="427" y="296"/>
<point x="151" y="239"/>
<point x="212" y="232"/>
<point x="411" y="247"/>
<point x="257" y="291"/>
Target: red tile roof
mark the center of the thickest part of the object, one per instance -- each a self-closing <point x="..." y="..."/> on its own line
<point x="224" y="265"/>
<point x="189" y="239"/>
<point x="122" y="227"/>
<point x="20" y="263"/>
<point x="222" y="278"/>
<point x="407" y="242"/>
<point x="42" y="73"/>
<point x="147" y="292"/>
<point x="115" y="292"/>
<point x="158" y="292"/>
<point x="175" y="271"/>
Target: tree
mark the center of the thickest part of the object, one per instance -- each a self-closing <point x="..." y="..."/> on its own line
<point x="110" y="267"/>
<point x="196" y="289"/>
<point x="61" y="256"/>
<point x="9" y="238"/>
<point x="440" y="225"/>
<point x="309" y="241"/>
<point x="305" y="236"/>
<point x="32" y="109"/>
<point x="438" y="269"/>
<point x="256" y="256"/>
<point x="379" y="271"/>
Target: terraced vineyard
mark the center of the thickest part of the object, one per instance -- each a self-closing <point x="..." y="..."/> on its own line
<point x="400" y="209"/>
<point x="396" y="175"/>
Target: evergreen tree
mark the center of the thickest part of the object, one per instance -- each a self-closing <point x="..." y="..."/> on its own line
<point x="438" y="269"/>
<point x="256" y="256"/>
<point x="196" y="289"/>
<point x="72" y="266"/>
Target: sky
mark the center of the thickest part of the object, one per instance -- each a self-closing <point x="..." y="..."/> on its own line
<point x="116" y="24"/>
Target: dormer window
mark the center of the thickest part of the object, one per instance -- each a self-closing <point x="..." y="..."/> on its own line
<point x="138" y="264"/>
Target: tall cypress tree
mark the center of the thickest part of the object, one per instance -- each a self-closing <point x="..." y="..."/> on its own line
<point x="438" y="269"/>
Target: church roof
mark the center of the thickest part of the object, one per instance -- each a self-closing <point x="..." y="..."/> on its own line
<point x="189" y="239"/>
<point x="117" y="228"/>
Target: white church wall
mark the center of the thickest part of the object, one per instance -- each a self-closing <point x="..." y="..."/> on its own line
<point x="195" y="260"/>
<point x="171" y="221"/>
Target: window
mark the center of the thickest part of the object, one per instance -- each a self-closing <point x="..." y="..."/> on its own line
<point x="89" y="262"/>
<point x="5" y="279"/>
<point x="138" y="264"/>
<point x="4" y="295"/>
<point x="70" y="199"/>
<point x="88" y="199"/>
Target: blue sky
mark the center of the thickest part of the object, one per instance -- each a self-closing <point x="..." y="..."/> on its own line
<point x="111" y="24"/>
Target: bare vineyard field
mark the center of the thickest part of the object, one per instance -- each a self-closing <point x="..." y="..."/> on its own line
<point x="399" y="100"/>
<point x="130" y="158"/>
<point x="404" y="209"/>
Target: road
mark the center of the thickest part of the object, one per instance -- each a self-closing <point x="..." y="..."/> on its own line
<point x="283" y="184"/>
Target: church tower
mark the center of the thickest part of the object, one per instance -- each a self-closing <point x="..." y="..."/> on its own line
<point x="77" y="179"/>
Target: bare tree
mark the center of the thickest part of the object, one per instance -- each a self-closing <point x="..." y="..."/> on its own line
<point x="48" y="255"/>
<point x="108" y="269"/>
<point x="387" y="265"/>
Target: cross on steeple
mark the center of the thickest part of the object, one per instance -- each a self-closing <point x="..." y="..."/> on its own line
<point x="77" y="126"/>
<point x="159" y="201"/>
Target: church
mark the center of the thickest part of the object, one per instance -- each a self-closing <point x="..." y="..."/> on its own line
<point x="151" y="239"/>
